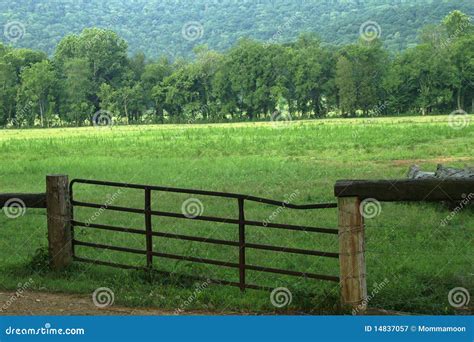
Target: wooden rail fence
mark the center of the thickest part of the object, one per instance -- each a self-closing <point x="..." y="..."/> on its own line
<point x="350" y="193"/>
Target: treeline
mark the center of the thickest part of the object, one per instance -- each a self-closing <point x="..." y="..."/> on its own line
<point x="91" y="77"/>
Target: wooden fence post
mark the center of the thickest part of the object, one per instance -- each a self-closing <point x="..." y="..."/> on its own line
<point x="59" y="221"/>
<point x="351" y="254"/>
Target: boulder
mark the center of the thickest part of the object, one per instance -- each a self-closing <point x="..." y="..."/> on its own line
<point x="441" y="172"/>
<point x="444" y="172"/>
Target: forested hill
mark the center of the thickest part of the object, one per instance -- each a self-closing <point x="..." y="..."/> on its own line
<point x="157" y="27"/>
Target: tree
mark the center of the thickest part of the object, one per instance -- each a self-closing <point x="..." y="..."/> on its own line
<point x="457" y="23"/>
<point x="313" y="70"/>
<point x="427" y="77"/>
<point x="366" y="63"/>
<point x="77" y="90"/>
<point x="250" y="68"/>
<point x="37" y="91"/>
<point x="188" y="90"/>
<point x="108" y="100"/>
<point x="8" y="89"/>
<point x="104" y="51"/>
<point x="152" y="82"/>
<point x="21" y="58"/>
<point x="462" y="58"/>
<point x="460" y="35"/>
<point x="346" y="84"/>
<point x="137" y="65"/>
<point x="131" y="101"/>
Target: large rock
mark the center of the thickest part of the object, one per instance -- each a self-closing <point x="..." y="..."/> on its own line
<point x="441" y="172"/>
<point x="444" y="172"/>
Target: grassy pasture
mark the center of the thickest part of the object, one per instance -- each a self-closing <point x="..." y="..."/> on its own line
<point x="419" y="260"/>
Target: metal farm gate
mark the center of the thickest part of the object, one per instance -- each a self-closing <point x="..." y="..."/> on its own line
<point x="241" y="223"/>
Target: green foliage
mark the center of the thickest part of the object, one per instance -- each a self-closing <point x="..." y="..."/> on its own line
<point x="91" y="73"/>
<point x="77" y="90"/>
<point x="37" y="92"/>
<point x="40" y="261"/>
<point x="456" y="23"/>
<point x="155" y="26"/>
<point x="346" y="85"/>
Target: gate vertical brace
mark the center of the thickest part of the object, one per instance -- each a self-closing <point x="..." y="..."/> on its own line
<point x="241" y="244"/>
<point x="71" y="215"/>
<point x="148" y="229"/>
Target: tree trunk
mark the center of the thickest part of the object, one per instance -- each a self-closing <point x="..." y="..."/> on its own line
<point x="126" y="111"/>
<point x="41" y="114"/>
<point x="459" y="99"/>
<point x="250" y="114"/>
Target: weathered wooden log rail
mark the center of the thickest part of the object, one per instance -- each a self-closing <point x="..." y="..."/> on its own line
<point x="410" y="190"/>
<point x="56" y="202"/>
<point x="350" y="194"/>
<point x="37" y="201"/>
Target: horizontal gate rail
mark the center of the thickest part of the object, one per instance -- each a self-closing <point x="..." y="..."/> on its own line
<point x="207" y="240"/>
<point x="211" y="280"/>
<point x="206" y="193"/>
<point x="241" y="222"/>
<point x="207" y="218"/>
<point x="207" y="261"/>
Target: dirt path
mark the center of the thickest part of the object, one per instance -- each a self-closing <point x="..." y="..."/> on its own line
<point x="41" y="303"/>
<point x="60" y="304"/>
<point x="440" y="160"/>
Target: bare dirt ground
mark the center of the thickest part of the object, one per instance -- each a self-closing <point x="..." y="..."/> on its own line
<point x="50" y="304"/>
<point x="61" y="304"/>
<point x="441" y="160"/>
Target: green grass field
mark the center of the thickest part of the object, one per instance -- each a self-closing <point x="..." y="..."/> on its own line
<point x="418" y="260"/>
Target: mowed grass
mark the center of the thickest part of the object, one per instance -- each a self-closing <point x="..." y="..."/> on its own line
<point x="409" y="252"/>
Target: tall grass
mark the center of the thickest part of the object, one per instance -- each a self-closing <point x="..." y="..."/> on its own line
<point x="406" y="245"/>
